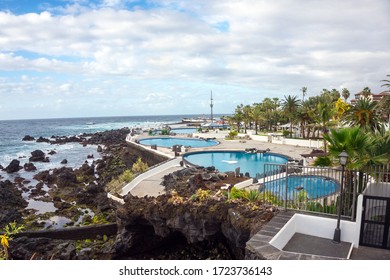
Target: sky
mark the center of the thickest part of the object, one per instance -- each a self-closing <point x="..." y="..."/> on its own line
<point x="81" y="58"/>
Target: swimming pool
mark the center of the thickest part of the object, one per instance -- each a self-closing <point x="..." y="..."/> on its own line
<point x="309" y="186"/>
<point x="224" y="161"/>
<point x="171" y="141"/>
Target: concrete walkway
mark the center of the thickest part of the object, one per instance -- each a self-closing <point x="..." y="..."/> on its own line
<point x="149" y="182"/>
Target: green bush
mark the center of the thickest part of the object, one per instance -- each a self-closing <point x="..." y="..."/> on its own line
<point x="286" y="133"/>
<point x="116" y="185"/>
<point x="237" y="193"/>
<point x="127" y="176"/>
<point x="232" y="134"/>
<point x="165" y="131"/>
<point x="270" y="198"/>
<point x="139" y="166"/>
<point x="252" y="195"/>
<point x="322" y="161"/>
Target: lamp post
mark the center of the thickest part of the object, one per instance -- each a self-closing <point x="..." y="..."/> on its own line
<point x="343" y="158"/>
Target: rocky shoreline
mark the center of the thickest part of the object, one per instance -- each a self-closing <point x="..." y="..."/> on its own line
<point x="194" y="220"/>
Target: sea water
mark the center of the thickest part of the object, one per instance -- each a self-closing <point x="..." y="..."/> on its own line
<point x="13" y="131"/>
<point x="12" y="147"/>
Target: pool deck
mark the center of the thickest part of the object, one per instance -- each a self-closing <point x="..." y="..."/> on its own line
<point x="149" y="184"/>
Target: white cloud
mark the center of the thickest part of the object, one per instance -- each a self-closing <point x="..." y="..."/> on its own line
<point x="270" y="47"/>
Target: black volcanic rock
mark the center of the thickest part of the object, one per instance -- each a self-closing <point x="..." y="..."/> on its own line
<point x="65" y="177"/>
<point x="64" y="161"/>
<point x="41" y="139"/>
<point x="111" y="137"/>
<point x="13" y="166"/>
<point x="28" y="138"/>
<point x="29" y="167"/>
<point x="23" y="248"/>
<point x="11" y="203"/>
<point x="37" y="155"/>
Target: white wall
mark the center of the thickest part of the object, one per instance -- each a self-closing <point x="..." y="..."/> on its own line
<point x="321" y="227"/>
<point x="378" y="189"/>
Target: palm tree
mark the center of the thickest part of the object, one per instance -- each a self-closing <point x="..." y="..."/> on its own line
<point x="246" y="112"/>
<point x="365" y="114"/>
<point x="237" y="118"/>
<point x="362" y="148"/>
<point x="384" y="107"/>
<point x="329" y="96"/>
<point x="269" y="106"/>
<point x="387" y="83"/>
<point x="304" y="117"/>
<point x="345" y="93"/>
<point x="290" y="107"/>
<point x="304" y="91"/>
<point x="323" y="119"/>
<point x="366" y="92"/>
<point x="257" y="115"/>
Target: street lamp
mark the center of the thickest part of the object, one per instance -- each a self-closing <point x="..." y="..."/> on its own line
<point x="343" y="158"/>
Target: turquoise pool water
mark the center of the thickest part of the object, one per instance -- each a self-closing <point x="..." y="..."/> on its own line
<point x="314" y="186"/>
<point x="171" y="141"/>
<point x="252" y="163"/>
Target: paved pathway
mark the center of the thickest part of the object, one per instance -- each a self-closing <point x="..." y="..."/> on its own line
<point x="149" y="183"/>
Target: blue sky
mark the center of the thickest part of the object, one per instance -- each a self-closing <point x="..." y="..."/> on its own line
<point x="85" y="58"/>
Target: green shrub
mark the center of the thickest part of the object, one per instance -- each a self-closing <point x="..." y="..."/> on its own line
<point x="237" y="193"/>
<point x="116" y="185"/>
<point x="165" y="131"/>
<point x="139" y="166"/>
<point x="127" y="176"/>
<point x="322" y="161"/>
<point x="286" y="133"/>
<point x="202" y="194"/>
<point x="252" y="195"/>
<point x="270" y="198"/>
<point x="9" y="231"/>
<point x="232" y="134"/>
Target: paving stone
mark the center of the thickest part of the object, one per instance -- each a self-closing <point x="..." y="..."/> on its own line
<point x="268" y="233"/>
<point x="260" y="237"/>
<point x="274" y="256"/>
<point x="256" y="244"/>
<point x="288" y="256"/>
<point x="271" y="228"/>
<point x="267" y="250"/>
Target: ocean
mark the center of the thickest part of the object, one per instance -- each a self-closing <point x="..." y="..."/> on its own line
<point x="12" y="146"/>
<point x="13" y="131"/>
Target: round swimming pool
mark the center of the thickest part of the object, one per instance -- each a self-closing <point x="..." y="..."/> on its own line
<point x="172" y="141"/>
<point x="253" y="163"/>
<point x="309" y="186"/>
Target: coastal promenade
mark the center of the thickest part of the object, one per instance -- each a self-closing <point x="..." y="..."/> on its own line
<point x="149" y="183"/>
